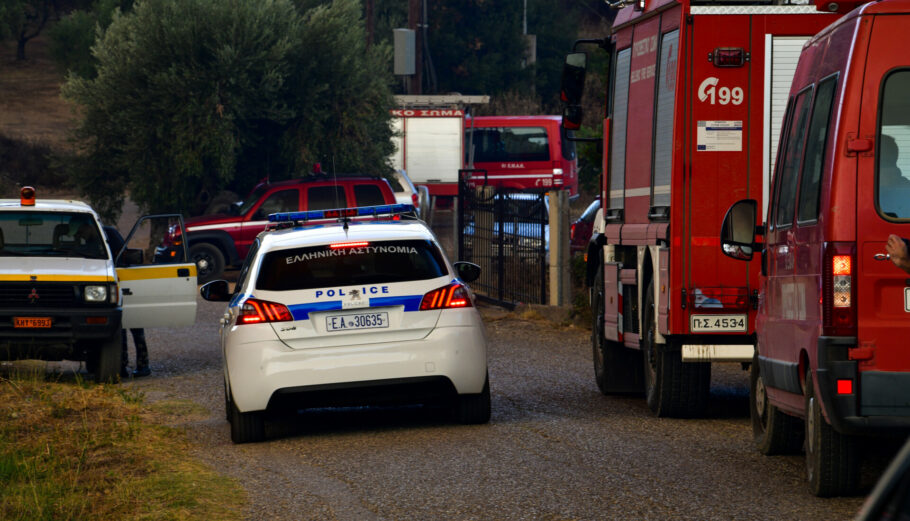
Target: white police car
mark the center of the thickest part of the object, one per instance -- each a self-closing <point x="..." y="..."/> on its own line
<point x="347" y="313"/>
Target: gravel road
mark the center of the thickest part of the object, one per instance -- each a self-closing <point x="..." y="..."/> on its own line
<point x="555" y="448"/>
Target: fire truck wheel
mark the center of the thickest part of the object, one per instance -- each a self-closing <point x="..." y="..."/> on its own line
<point x="672" y="388"/>
<point x="616" y="369"/>
<point x="832" y="460"/>
<point x="246" y="427"/>
<point x="774" y="431"/>
<point x="106" y="360"/>
<point x="209" y="261"/>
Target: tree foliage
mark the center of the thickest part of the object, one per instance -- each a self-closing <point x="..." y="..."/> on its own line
<point x="193" y="96"/>
<point x="23" y="20"/>
<point x="71" y="39"/>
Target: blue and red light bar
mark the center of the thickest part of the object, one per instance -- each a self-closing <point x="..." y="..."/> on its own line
<point x="391" y="210"/>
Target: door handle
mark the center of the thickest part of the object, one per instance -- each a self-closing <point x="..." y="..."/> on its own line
<point x="127" y="291"/>
<point x="882" y="256"/>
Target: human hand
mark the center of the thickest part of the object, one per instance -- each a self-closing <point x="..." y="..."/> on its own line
<point x="897" y="249"/>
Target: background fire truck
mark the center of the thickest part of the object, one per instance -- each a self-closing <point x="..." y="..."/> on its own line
<point x="693" y="113"/>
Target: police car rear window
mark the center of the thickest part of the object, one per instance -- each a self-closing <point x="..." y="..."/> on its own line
<point x="348" y="264"/>
<point x="50" y="234"/>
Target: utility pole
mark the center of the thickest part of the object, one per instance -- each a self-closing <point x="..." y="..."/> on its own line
<point x="416" y="81"/>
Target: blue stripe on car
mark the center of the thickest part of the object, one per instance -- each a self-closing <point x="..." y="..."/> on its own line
<point x="302" y="311"/>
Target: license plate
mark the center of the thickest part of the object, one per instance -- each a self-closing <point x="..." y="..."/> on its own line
<point x="32" y="322"/>
<point x="712" y="323"/>
<point x="356" y="321"/>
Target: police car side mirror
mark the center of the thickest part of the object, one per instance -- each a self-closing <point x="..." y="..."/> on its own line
<point x="737" y="233"/>
<point x="216" y="291"/>
<point x="467" y="271"/>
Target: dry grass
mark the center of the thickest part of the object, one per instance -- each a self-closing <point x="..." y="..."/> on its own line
<point x="31" y="108"/>
<point x="74" y="451"/>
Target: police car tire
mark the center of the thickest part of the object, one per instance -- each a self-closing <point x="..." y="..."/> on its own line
<point x="213" y="257"/>
<point x="246" y="427"/>
<point x="107" y="359"/>
<point x="774" y="431"/>
<point x="832" y="458"/>
<point x="475" y="408"/>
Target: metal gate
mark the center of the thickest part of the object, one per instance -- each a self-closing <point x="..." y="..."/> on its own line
<point x="506" y="234"/>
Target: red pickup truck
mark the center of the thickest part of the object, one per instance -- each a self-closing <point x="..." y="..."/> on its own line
<point x="222" y="240"/>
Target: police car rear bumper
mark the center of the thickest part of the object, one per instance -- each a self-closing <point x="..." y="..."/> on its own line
<point x="259" y="371"/>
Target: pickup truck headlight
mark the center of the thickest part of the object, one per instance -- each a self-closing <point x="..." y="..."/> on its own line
<point x="96" y="293"/>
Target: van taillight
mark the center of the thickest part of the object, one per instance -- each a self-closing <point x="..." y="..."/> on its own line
<point x="452" y="296"/>
<point x="255" y="311"/>
<point x="557" y="173"/>
<point x="838" y="290"/>
<point x="415" y="200"/>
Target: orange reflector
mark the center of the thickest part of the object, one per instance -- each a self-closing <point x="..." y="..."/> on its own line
<point x="27" y="195"/>
<point x="348" y="245"/>
<point x="841" y="264"/>
<point x="845" y="386"/>
<point x="173" y="253"/>
<point x="98" y="321"/>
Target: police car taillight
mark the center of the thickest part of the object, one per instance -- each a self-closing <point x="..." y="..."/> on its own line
<point x="27" y="196"/>
<point x="255" y="311"/>
<point x="452" y="296"/>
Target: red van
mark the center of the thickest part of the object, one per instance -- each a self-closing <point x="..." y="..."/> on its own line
<point x="522" y="152"/>
<point x="832" y="357"/>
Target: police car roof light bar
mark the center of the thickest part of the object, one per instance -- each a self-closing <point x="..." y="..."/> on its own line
<point x="391" y="210"/>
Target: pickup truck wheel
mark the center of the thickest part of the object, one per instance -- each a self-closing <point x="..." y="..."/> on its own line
<point x="106" y="359"/>
<point x="832" y="461"/>
<point x="774" y="431"/>
<point x="246" y="427"/>
<point x="616" y="368"/>
<point x="475" y="408"/>
<point x="209" y="261"/>
<point x="673" y="389"/>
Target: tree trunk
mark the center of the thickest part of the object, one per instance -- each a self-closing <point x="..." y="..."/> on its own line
<point x="20" y="49"/>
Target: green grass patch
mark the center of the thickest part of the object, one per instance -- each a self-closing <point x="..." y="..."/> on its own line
<point x="69" y="451"/>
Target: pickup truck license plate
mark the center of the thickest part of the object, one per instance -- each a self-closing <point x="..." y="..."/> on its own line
<point x="43" y="322"/>
<point x="356" y="321"/>
<point x="712" y="323"/>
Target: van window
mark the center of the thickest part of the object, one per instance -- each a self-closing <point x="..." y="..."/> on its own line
<point x="788" y="167"/>
<point x="618" y="132"/>
<point x="663" y="128"/>
<point x="280" y="201"/>
<point x="893" y="150"/>
<point x="368" y="195"/>
<point x="810" y="182"/>
<point x="511" y="144"/>
<point x="325" y="197"/>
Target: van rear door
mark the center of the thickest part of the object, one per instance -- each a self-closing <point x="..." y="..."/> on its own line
<point x="883" y="208"/>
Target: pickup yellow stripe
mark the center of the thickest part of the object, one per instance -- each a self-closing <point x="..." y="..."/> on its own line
<point x="9" y="277"/>
<point x="154" y="272"/>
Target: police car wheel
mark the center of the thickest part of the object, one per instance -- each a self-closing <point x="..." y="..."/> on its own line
<point x="209" y="261"/>
<point x="475" y="408"/>
<point x="246" y="427"/>
<point x="106" y="359"/>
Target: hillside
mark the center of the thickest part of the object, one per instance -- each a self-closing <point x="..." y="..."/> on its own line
<point x="31" y="108"/>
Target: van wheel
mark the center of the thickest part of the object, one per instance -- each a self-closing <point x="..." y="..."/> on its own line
<point x="616" y="369"/>
<point x="475" y="408"/>
<point x="832" y="460"/>
<point x="105" y="360"/>
<point x="246" y="427"/>
<point x="672" y="388"/>
<point x="209" y="261"/>
<point x="774" y="431"/>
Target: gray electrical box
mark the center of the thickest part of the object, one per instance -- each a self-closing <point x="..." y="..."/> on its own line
<point x="405" y="51"/>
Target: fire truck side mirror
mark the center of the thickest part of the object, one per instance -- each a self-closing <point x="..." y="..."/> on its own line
<point x="737" y="233"/>
<point x="571" y="117"/>
<point x="573" y="78"/>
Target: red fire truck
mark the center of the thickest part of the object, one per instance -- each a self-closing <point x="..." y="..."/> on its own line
<point x="697" y="92"/>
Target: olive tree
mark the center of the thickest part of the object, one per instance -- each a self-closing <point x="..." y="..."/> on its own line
<point x="193" y="96"/>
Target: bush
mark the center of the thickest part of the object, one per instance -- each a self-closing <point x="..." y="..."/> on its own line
<point x="29" y="163"/>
